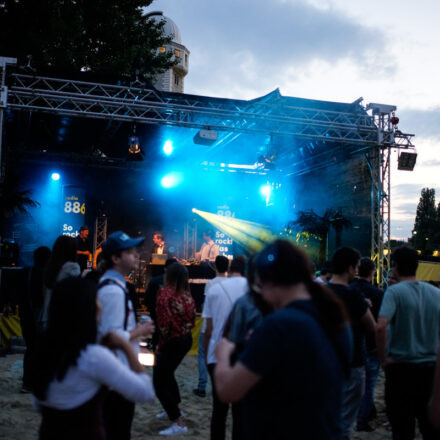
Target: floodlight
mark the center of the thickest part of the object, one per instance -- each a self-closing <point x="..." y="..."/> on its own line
<point x="168" y="147"/>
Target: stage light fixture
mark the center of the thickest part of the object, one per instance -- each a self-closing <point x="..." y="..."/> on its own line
<point x="171" y="180"/>
<point x="266" y="190"/>
<point x="134" y="145"/>
<point x="168" y="147"/>
<point x="55" y="176"/>
<point x="205" y="137"/>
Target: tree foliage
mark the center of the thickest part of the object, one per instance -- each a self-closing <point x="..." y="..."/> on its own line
<point x="12" y="198"/>
<point x="68" y="36"/>
<point x="309" y="221"/>
<point x="426" y="232"/>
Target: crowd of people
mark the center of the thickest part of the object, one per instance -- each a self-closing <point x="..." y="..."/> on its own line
<point x="292" y="354"/>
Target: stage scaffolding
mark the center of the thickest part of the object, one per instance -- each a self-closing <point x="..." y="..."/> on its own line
<point x="358" y="130"/>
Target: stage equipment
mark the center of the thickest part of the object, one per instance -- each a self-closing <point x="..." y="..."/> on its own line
<point x="168" y="148"/>
<point x="55" y="176"/>
<point x="266" y="190"/>
<point x="171" y="180"/>
<point x="348" y="128"/>
<point x="205" y="137"/>
<point x="133" y="143"/>
<point x="100" y="234"/>
<point x="379" y="162"/>
<point x="407" y="160"/>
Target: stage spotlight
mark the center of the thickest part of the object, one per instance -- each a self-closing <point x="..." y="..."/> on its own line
<point x="266" y="190"/>
<point x="171" y="180"/>
<point x="194" y="210"/>
<point x="55" y="176"/>
<point x="134" y="145"/>
<point x="168" y="147"/>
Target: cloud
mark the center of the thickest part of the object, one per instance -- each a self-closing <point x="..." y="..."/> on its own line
<point x="255" y="43"/>
<point x="424" y="123"/>
<point x="406" y="190"/>
<point x="430" y="163"/>
<point x="407" y="208"/>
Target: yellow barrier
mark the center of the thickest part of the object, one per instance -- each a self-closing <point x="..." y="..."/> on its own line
<point x="428" y="271"/>
<point x="9" y="327"/>
<point x="195" y="332"/>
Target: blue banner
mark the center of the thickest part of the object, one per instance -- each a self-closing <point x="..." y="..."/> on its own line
<point x="74" y="210"/>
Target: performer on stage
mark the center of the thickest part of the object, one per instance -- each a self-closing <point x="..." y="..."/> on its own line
<point x="84" y="247"/>
<point x="159" y="246"/>
<point x="209" y="249"/>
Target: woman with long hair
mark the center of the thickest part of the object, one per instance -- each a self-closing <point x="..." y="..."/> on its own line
<point x="291" y="372"/>
<point x="175" y="311"/>
<point x="72" y="371"/>
<point x="62" y="264"/>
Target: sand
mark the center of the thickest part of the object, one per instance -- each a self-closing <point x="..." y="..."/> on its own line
<point x="18" y="419"/>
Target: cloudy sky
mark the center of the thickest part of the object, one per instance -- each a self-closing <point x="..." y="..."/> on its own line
<point x="337" y="50"/>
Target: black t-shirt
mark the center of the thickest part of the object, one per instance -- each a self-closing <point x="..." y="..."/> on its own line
<point x="375" y="295"/>
<point x="356" y="306"/>
<point x="300" y="393"/>
<point x="83" y="245"/>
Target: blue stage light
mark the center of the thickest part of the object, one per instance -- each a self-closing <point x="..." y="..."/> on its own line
<point x="266" y="190"/>
<point x="168" y="147"/>
<point x="171" y="180"/>
<point x="55" y="176"/>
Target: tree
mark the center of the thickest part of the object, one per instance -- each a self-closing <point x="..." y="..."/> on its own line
<point x="427" y="222"/>
<point x="309" y="221"/>
<point x="12" y="199"/>
<point x="70" y="36"/>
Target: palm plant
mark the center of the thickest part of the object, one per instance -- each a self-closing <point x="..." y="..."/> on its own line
<point x="12" y="199"/>
<point x="309" y="221"/>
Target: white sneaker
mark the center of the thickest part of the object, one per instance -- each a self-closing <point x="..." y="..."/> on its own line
<point x="174" y="429"/>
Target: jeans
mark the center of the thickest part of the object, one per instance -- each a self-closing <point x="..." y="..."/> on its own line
<point x="408" y="388"/>
<point x="371" y="372"/>
<point x="165" y="385"/>
<point x="220" y="413"/>
<point x="351" y="399"/>
<point x="203" y="372"/>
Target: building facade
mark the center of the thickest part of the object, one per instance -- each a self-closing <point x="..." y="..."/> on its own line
<point x="173" y="79"/>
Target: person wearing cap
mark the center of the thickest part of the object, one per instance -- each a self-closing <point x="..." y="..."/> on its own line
<point x="84" y="247"/>
<point x="120" y="256"/>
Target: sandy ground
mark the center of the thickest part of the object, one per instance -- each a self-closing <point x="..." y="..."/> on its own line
<point x="18" y="420"/>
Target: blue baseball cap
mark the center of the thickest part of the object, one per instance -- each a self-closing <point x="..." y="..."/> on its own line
<point x="118" y="241"/>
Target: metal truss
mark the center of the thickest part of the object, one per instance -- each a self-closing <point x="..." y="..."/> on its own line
<point x="134" y="104"/>
<point x="100" y="232"/>
<point x="379" y="160"/>
<point x="357" y="130"/>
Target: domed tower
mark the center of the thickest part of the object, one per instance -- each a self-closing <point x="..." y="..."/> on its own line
<point x="173" y="79"/>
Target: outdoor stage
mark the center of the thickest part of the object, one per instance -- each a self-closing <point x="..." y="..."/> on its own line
<point x="261" y="161"/>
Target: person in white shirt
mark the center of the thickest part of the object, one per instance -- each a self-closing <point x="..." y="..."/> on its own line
<point x="209" y="250"/>
<point x="221" y="272"/>
<point x="216" y="310"/>
<point x="120" y="255"/>
<point x="71" y="370"/>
